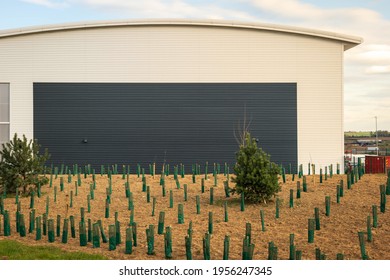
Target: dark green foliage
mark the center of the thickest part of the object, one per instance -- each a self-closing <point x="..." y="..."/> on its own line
<point x="256" y="176"/>
<point x="21" y="165"/>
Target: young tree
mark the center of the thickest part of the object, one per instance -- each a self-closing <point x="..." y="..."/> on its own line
<point x="21" y="165"/>
<point x="256" y="176"/>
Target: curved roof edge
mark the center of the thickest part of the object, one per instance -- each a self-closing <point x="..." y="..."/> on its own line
<point x="349" y="41"/>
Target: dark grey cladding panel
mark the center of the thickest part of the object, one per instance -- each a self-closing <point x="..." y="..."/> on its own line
<point x="129" y="123"/>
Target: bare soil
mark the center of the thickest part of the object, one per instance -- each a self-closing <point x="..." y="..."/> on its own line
<point x="338" y="233"/>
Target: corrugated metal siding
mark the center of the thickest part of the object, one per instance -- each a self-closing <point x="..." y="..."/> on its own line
<point x="129" y="123"/>
<point x="187" y="54"/>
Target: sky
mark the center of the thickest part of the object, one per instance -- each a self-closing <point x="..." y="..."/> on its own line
<point x="366" y="67"/>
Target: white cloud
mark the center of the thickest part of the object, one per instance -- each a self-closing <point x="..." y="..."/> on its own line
<point x="48" y="3"/>
<point x="378" y="69"/>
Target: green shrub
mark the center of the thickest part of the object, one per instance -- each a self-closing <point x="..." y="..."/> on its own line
<point x="21" y="165"/>
<point x="256" y="176"/>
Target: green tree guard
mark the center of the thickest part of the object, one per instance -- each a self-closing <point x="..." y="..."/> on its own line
<point x="32" y="200"/>
<point x="211" y="195"/>
<point x="127" y="189"/>
<point x="51" y="180"/>
<point x="180" y="214"/>
<point x="262" y="220"/>
<point x="308" y="169"/>
<point x="163" y="190"/>
<point x="38" y="226"/>
<point x="58" y="226"/>
<point x="2" y="202"/>
<point x="242" y="202"/>
<point x="226" y="214"/>
<point x="39" y="190"/>
<point x="317" y="218"/>
<point x="129" y="241"/>
<point x="150" y="240"/>
<point x="248" y="232"/>
<point x="123" y="172"/>
<point x="69" y="177"/>
<point x="95" y="236"/>
<point x="292" y="247"/>
<point x="47" y="205"/>
<point x="130" y="202"/>
<point x="362" y="246"/>
<point x="304" y="184"/>
<point x="134" y="229"/>
<point x="206" y="246"/>
<point x="44" y="224"/>
<point x="226" y="246"/>
<point x="326" y="173"/>
<point x="272" y="251"/>
<point x="349" y="181"/>
<point x="55" y="194"/>
<point x="17" y="220"/>
<point x="78" y="179"/>
<point x="318" y="254"/>
<point x="154" y="206"/>
<point x="147" y="194"/>
<point x="89" y="230"/>
<point x="89" y="203"/>
<point x="284" y="175"/>
<point x="197" y="204"/>
<point x="161" y="218"/>
<point x="50" y="231"/>
<point x="277" y="208"/>
<point x="202" y="185"/>
<point x="206" y="170"/>
<point x="61" y="184"/>
<point x="369" y="230"/>
<point x="82" y="214"/>
<point x="338" y="169"/>
<point x="107" y="211"/>
<point x="22" y="225"/>
<point x="82" y="233"/>
<point x="168" y="242"/>
<point x="215" y="180"/>
<point x="188" y="244"/>
<point x="193" y="179"/>
<point x="327" y="206"/>
<point x="338" y="194"/>
<point x="383" y="202"/>
<point x="170" y="199"/>
<point x="182" y="170"/>
<point x="298" y="255"/>
<point x="91" y="192"/>
<point x="374" y="216"/>
<point x="311" y="228"/>
<point x="320" y="175"/>
<point x="339" y="256"/>
<point x="76" y="189"/>
<point x="72" y="227"/>
<point x="226" y="188"/>
<point x="111" y="237"/>
<point x="291" y="198"/>
<point x="31" y="221"/>
<point x="118" y="232"/>
<point x="131" y="217"/>
<point x="313" y="167"/>
<point x="144" y="184"/>
<point x="185" y="192"/>
<point x="210" y="222"/>
<point x="71" y="199"/>
<point x="298" y="189"/>
<point x="246" y="248"/>
<point x="6" y="223"/>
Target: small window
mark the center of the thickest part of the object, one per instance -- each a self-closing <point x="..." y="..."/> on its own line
<point x="4" y="113"/>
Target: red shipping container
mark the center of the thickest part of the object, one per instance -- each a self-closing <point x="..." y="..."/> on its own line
<point x="387" y="163"/>
<point x="375" y="164"/>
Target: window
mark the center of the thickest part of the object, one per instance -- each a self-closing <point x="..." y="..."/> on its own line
<point x="4" y="113"/>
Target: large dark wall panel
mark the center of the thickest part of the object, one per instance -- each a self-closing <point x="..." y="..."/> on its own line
<point x="129" y="123"/>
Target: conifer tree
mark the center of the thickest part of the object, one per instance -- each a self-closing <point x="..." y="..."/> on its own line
<point x="21" y="165"/>
<point x="255" y="175"/>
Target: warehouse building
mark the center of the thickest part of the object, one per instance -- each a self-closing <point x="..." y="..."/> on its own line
<point x="174" y="91"/>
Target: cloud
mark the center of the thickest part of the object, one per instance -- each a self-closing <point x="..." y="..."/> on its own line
<point x="167" y="9"/>
<point x="48" y="3"/>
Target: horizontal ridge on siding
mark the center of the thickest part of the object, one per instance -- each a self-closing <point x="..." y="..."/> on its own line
<point x="129" y="123"/>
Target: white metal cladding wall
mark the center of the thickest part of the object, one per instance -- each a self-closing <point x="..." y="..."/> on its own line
<point x="187" y="54"/>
